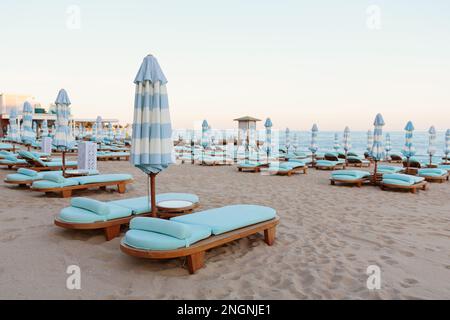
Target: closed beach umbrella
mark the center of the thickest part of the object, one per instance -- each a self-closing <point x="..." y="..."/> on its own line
<point x="287" y="143"/>
<point x="377" y="151"/>
<point x="99" y="127"/>
<point x="369" y="141"/>
<point x="313" y="146"/>
<point x="110" y="132"/>
<point x="268" y="126"/>
<point x="13" y="132"/>
<point x="387" y="145"/>
<point x="408" y="149"/>
<point x="447" y="144"/>
<point x="28" y="135"/>
<point x="205" y="126"/>
<point x="151" y="147"/>
<point x="431" y="143"/>
<point x="44" y="128"/>
<point x="94" y="132"/>
<point x="62" y="140"/>
<point x="346" y="141"/>
<point x="336" y="145"/>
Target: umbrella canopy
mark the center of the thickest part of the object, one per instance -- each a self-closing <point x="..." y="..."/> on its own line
<point x="336" y="144"/>
<point x="346" y="141"/>
<point x="287" y="142"/>
<point x="369" y="141"/>
<point x="313" y="147"/>
<point x="377" y="152"/>
<point x="431" y="141"/>
<point x="447" y="143"/>
<point x="205" y="129"/>
<point x="13" y="133"/>
<point x="268" y="126"/>
<point x="152" y="130"/>
<point x="387" y="146"/>
<point x="99" y="129"/>
<point x="408" y="149"/>
<point x="44" y="128"/>
<point x="28" y="135"/>
<point x="62" y="139"/>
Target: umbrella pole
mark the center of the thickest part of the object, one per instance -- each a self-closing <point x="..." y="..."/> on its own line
<point x="152" y="177"/>
<point x="63" y="163"/>
<point x="375" y="173"/>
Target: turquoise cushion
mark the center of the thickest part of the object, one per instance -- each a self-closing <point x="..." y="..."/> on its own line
<point x="57" y="163"/>
<point x="148" y="240"/>
<point x="228" y="218"/>
<point x="297" y="162"/>
<point x="432" y="172"/>
<point x="402" y="179"/>
<point x="54" y="177"/>
<point x="95" y="206"/>
<point x="103" y="178"/>
<point x="350" y="174"/>
<point x="141" y="204"/>
<point x="167" y="227"/>
<point x="46" y="184"/>
<point x="80" y="215"/>
<point x="18" y="177"/>
<point x="388" y="169"/>
<point x="27" y="172"/>
<point x="444" y="166"/>
<point x="250" y="164"/>
<point x="326" y="163"/>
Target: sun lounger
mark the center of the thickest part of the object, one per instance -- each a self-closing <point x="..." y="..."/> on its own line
<point x="251" y="166"/>
<point x="444" y="166"/>
<point x="352" y="177"/>
<point x="357" y="162"/>
<point x="403" y="181"/>
<point x="10" y="162"/>
<point x="329" y="165"/>
<point x="35" y="163"/>
<point x="433" y="174"/>
<point x="395" y="158"/>
<point x="52" y="183"/>
<point x="25" y="176"/>
<point x="191" y="235"/>
<point x="89" y="214"/>
<point x="113" y="155"/>
<point x="382" y="169"/>
<point x="286" y="168"/>
<point x="6" y="146"/>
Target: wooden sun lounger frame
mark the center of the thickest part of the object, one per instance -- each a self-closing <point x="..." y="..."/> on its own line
<point x="113" y="157"/>
<point x="111" y="228"/>
<point x="22" y="183"/>
<point x="195" y="253"/>
<point x="66" y="192"/>
<point x="253" y="168"/>
<point x="357" y="163"/>
<point x="357" y="182"/>
<point x="413" y="188"/>
<point x="398" y="159"/>
<point x="335" y="167"/>
<point x="288" y="173"/>
<point x="439" y="179"/>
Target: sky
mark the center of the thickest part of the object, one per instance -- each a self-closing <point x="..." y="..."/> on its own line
<point x="298" y="62"/>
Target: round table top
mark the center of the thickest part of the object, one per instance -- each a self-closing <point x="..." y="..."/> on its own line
<point x="174" y="204"/>
<point x="78" y="173"/>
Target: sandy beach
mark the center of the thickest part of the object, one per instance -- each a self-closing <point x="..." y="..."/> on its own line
<point x="327" y="238"/>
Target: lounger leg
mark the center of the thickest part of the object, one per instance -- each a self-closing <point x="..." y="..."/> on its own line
<point x="196" y="261"/>
<point x="332" y="182"/>
<point x="359" y="184"/>
<point x="112" y="232"/>
<point x="66" y="193"/>
<point x="413" y="190"/>
<point x="269" y="236"/>
<point x="102" y="188"/>
<point x="121" y="187"/>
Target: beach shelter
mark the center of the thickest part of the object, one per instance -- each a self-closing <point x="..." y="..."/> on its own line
<point x="431" y="143"/>
<point x="387" y="145"/>
<point x="62" y="140"/>
<point x="268" y="125"/>
<point x="447" y="144"/>
<point x="28" y="136"/>
<point x="44" y="128"/>
<point x="377" y="151"/>
<point x="336" y="144"/>
<point x="151" y="147"/>
<point x="408" y="149"/>
<point x="313" y="146"/>
<point x="287" y="141"/>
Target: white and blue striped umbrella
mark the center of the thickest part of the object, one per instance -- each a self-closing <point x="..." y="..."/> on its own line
<point x="94" y="132"/>
<point x="52" y="134"/>
<point x="447" y="143"/>
<point x="44" y="128"/>
<point x="99" y="130"/>
<point x="62" y="139"/>
<point x="377" y="152"/>
<point x="28" y="136"/>
<point x="205" y="138"/>
<point x="387" y="146"/>
<point x="268" y="126"/>
<point x="346" y="140"/>
<point x="152" y="130"/>
<point x="369" y="141"/>
<point x="13" y="133"/>
<point x="431" y="141"/>
<point x="408" y="149"/>
<point x="34" y="127"/>
<point x="336" y="144"/>
<point x="287" y="142"/>
<point x="313" y="146"/>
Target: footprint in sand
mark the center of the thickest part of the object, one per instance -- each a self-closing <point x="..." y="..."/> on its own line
<point x="408" y="283"/>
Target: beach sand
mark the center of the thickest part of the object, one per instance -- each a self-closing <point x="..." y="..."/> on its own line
<point x="327" y="238"/>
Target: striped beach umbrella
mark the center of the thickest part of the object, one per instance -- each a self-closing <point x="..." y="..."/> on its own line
<point x="13" y="133"/>
<point x="336" y="144"/>
<point x="205" y="139"/>
<point x="151" y="147"/>
<point x="287" y="141"/>
<point x="387" y="145"/>
<point x="369" y="141"/>
<point x="268" y="125"/>
<point x="313" y="146"/>
<point x="447" y="144"/>
<point x="28" y="136"/>
<point x="99" y="129"/>
<point x="408" y="149"/>
<point x="377" y="151"/>
<point x="431" y="143"/>
<point x="346" y="140"/>
<point x="62" y="140"/>
<point x="44" y="128"/>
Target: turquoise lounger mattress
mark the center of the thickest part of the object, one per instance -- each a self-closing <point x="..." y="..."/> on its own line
<point x="432" y="172"/>
<point x="349" y="174"/>
<point x="401" y="179"/>
<point x="51" y="180"/>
